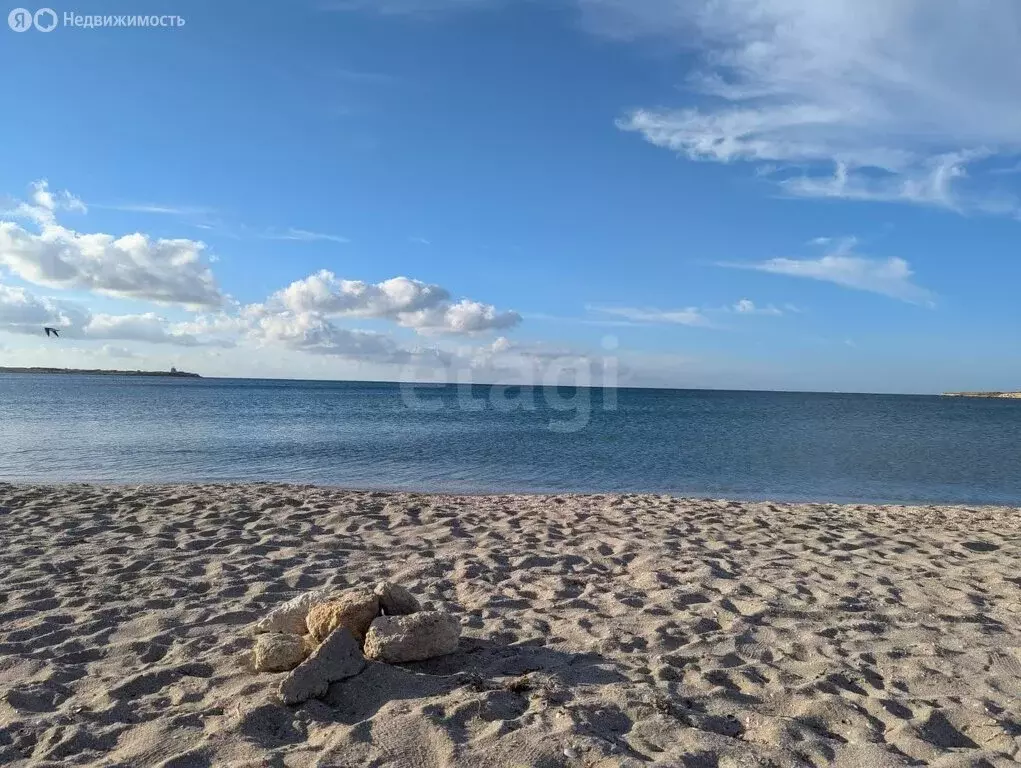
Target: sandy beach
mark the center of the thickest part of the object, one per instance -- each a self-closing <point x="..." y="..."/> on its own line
<point x="596" y="630"/>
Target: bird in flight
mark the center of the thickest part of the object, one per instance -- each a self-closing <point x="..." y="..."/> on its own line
<point x="51" y="332"/>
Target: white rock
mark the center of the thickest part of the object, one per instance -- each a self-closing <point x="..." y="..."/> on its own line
<point x="423" y="635"/>
<point x="290" y="617"/>
<point x="395" y="600"/>
<point x="278" y="653"/>
<point x="336" y="659"/>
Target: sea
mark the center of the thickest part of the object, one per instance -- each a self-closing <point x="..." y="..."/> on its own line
<point x="789" y="446"/>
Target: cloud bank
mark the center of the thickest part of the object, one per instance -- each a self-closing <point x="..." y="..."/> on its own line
<point x="863" y="99"/>
<point x="132" y="266"/>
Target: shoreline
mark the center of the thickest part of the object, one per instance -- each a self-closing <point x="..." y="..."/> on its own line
<point x="46" y="371"/>
<point x="992" y="395"/>
<point x="680" y="496"/>
<point x="596" y="630"/>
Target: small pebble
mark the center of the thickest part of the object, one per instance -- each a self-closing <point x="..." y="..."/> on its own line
<point x="570" y="752"/>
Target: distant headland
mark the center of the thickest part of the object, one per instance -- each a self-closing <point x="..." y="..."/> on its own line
<point x="1006" y="395"/>
<point x="102" y="372"/>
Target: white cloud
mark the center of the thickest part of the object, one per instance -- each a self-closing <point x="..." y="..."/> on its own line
<point x="148" y="327"/>
<point x="933" y="187"/>
<point x="890" y="277"/>
<point x="299" y="318"/>
<point x="916" y="89"/>
<point x="465" y="316"/>
<point x="42" y="205"/>
<point x="304" y="236"/>
<point x="500" y="344"/>
<point x="739" y="134"/>
<point x="410" y="303"/>
<point x="23" y="312"/>
<point x="692" y="316"/>
<point x="306" y="330"/>
<point x="132" y="266"/>
<point x="311" y="332"/>
<point x="748" y="307"/>
<point x="325" y="292"/>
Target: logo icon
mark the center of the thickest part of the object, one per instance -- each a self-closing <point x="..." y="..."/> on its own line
<point x="45" y="19"/>
<point x="20" y="20"/>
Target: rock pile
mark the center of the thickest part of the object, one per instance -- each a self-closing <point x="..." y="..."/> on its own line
<point x="323" y="636"/>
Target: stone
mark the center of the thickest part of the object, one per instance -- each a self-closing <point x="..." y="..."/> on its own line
<point x="310" y="644"/>
<point x="279" y="653"/>
<point x="395" y="600"/>
<point x="338" y="658"/>
<point x="290" y="617"/>
<point x="415" y="637"/>
<point x="353" y="610"/>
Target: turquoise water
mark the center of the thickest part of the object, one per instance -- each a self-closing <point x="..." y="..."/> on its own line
<point x="833" y="447"/>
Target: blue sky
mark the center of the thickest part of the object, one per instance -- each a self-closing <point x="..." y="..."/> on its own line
<point x="779" y="194"/>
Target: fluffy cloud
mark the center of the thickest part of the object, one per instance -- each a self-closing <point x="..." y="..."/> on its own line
<point x="148" y="327"/>
<point x="890" y="277"/>
<point x="301" y="317"/>
<point x="314" y="333"/>
<point x="325" y="292"/>
<point x="42" y="205"/>
<point x="410" y="303"/>
<point x="23" y="312"/>
<point x="133" y="266"/>
<point x="465" y="316"/>
<point x="270" y="325"/>
<point x="896" y="96"/>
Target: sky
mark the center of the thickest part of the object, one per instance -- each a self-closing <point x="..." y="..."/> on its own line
<point x="778" y="194"/>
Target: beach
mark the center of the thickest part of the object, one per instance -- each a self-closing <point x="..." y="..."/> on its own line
<point x="597" y="630"/>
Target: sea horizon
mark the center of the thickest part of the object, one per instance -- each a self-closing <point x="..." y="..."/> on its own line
<point x="419" y="383"/>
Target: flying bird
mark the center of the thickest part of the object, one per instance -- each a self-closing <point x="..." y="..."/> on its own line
<point x="51" y="332"/>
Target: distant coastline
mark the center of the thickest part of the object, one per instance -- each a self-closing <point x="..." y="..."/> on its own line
<point x="102" y="372"/>
<point x="1004" y="395"/>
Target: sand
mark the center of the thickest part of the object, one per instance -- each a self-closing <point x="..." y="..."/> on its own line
<point x="597" y="630"/>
